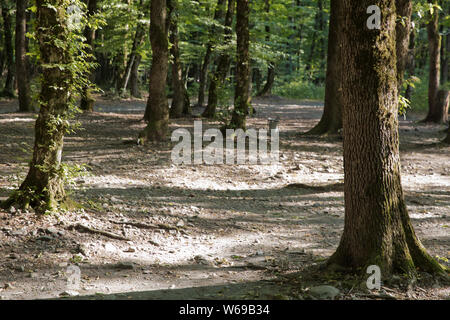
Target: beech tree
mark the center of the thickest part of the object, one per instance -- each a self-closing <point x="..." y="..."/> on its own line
<point x="241" y="95"/>
<point x="43" y="187"/>
<point x="157" y="111"/>
<point x="331" y="121"/>
<point x="378" y="230"/>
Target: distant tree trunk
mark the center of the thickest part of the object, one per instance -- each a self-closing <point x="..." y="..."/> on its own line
<point x="8" y="90"/>
<point x="377" y="228"/>
<point x="157" y="111"/>
<point x="22" y="74"/>
<point x="241" y="95"/>
<point x="133" y="59"/>
<point x="222" y="66"/>
<point x="267" y="90"/>
<point x="87" y="99"/>
<point x="446" y="59"/>
<point x="43" y="187"/>
<point x="403" y="31"/>
<point x="134" y="78"/>
<point x="434" y="44"/>
<point x="319" y="26"/>
<point x="442" y="104"/>
<point x="411" y="64"/>
<point x="331" y="121"/>
<point x="180" y="96"/>
<point x="218" y="16"/>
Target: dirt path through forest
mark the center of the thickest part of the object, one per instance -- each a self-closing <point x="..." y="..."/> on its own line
<point x="199" y="231"/>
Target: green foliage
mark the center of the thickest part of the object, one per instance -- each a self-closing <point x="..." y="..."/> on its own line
<point x="299" y="89"/>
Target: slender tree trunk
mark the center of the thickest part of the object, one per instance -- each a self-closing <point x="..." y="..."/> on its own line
<point x="267" y="90"/>
<point x="157" y="111"/>
<point x="403" y="31"/>
<point x="434" y="45"/>
<point x="218" y="17"/>
<point x="43" y="187"/>
<point x="331" y="121"/>
<point x="23" y="83"/>
<point x="134" y="78"/>
<point x="180" y="97"/>
<point x="8" y="90"/>
<point x="87" y="99"/>
<point x="411" y="64"/>
<point x="241" y="95"/>
<point x="377" y="227"/>
<point x="223" y="65"/>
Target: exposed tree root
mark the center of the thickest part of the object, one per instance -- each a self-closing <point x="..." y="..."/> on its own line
<point x="82" y="228"/>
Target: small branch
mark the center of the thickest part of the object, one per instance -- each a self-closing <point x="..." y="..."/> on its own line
<point x="148" y="226"/>
<point x="82" y="228"/>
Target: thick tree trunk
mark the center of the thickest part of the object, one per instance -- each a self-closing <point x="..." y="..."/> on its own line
<point x="87" y="99"/>
<point x="331" y="121"/>
<point x="434" y="46"/>
<point x="157" y="111"/>
<point x="43" y="187"/>
<point x="22" y="74"/>
<point x="180" y="96"/>
<point x="223" y="65"/>
<point x="377" y="227"/>
<point x="8" y="90"/>
<point x="241" y="94"/>
<point x="218" y="16"/>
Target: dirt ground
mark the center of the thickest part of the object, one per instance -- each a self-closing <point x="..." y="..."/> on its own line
<point x="149" y="229"/>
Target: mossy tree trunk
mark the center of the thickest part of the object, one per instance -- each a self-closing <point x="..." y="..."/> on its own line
<point x="157" y="111"/>
<point x="43" y="188"/>
<point x="218" y="16"/>
<point x="241" y="94"/>
<point x="87" y="99"/>
<point x="434" y="49"/>
<point x="22" y="74"/>
<point x="222" y="66"/>
<point x="331" y="121"/>
<point x="377" y="228"/>
<point x="180" y="95"/>
<point x="8" y="90"/>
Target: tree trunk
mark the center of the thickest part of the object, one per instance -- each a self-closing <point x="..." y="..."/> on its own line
<point x="134" y="78"/>
<point x="23" y="83"/>
<point x="87" y="100"/>
<point x="223" y="65"/>
<point x="447" y="139"/>
<point x="331" y="121"/>
<point x="442" y="102"/>
<point x="43" y="187"/>
<point x="180" y="96"/>
<point x="377" y="227"/>
<point x="403" y="31"/>
<point x="434" y="44"/>
<point x="8" y="90"/>
<point x="241" y="94"/>
<point x="157" y="111"/>
<point x="134" y="59"/>
<point x="218" y="16"/>
<point x="411" y="63"/>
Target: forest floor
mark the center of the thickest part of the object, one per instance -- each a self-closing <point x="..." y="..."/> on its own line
<point x="155" y="230"/>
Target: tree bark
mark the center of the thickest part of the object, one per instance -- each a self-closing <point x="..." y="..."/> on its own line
<point x="43" y="187"/>
<point x="411" y="63"/>
<point x="377" y="227"/>
<point x="434" y="46"/>
<point x="218" y="16"/>
<point x="267" y="89"/>
<point x="134" y="78"/>
<point x="241" y="95"/>
<point x="157" y="111"/>
<point x="447" y="139"/>
<point x="222" y="66"/>
<point x="87" y="99"/>
<point x="331" y="121"/>
<point x="180" y="95"/>
<point x="23" y="83"/>
<point x="8" y="90"/>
